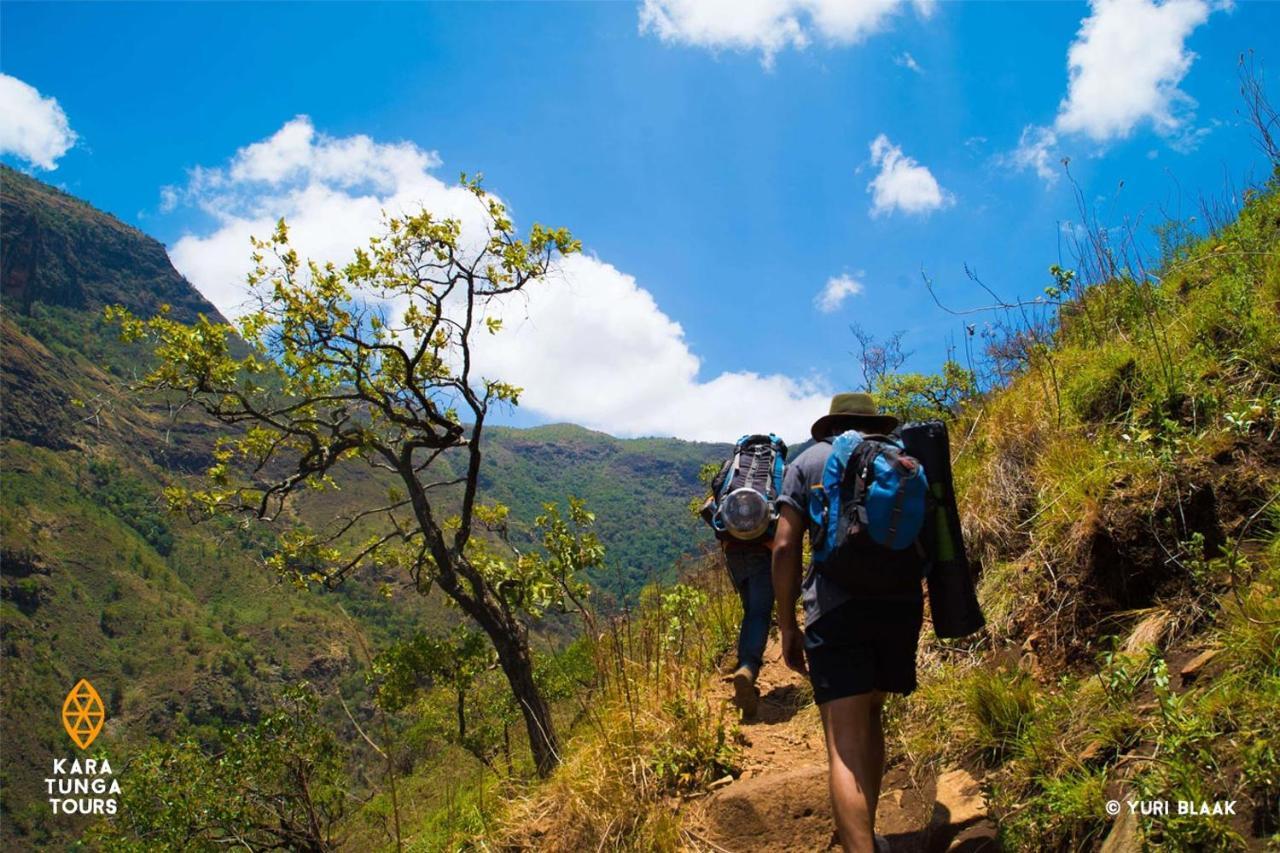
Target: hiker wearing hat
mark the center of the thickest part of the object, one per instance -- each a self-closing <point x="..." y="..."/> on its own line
<point x="858" y="642"/>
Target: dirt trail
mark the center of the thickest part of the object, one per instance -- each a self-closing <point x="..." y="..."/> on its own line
<point x="780" y="801"/>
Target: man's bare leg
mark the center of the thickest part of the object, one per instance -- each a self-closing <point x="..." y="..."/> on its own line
<point x="855" y="752"/>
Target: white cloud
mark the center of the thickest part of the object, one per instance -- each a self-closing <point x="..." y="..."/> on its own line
<point x="837" y="290"/>
<point x="631" y="369"/>
<point x="1125" y="67"/>
<point x="333" y="192"/>
<point x="769" y="26"/>
<point x="902" y="184"/>
<point x="1035" y="151"/>
<point x="906" y="60"/>
<point x="1073" y="231"/>
<point x="1188" y="138"/>
<point x="34" y="128"/>
<point x="588" y="345"/>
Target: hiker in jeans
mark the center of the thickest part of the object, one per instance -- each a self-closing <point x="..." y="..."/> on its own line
<point x="749" y="569"/>
<point x="742" y="510"/>
<point x="855" y="649"/>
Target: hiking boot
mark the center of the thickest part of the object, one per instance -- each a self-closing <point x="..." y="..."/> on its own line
<point x="882" y="844"/>
<point x="745" y="694"/>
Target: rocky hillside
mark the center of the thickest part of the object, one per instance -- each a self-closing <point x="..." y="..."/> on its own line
<point x="59" y="251"/>
<point x="634" y="487"/>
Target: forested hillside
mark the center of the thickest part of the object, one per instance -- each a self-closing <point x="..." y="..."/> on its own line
<point x="631" y="485"/>
<point x="181" y="627"/>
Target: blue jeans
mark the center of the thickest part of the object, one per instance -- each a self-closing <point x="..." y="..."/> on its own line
<point x="752" y="578"/>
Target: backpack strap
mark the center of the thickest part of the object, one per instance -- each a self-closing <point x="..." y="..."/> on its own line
<point x="717" y="482"/>
<point x="751" y="472"/>
<point x="844" y="454"/>
<point x="779" y="463"/>
<point x="861" y="459"/>
<point x="733" y="468"/>
<point x="899" y="499"/>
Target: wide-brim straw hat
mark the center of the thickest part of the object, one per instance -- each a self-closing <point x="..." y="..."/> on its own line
<point x="853" y="411"/>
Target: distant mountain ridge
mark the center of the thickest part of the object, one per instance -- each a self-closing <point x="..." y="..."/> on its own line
<point x="639" y="489"/>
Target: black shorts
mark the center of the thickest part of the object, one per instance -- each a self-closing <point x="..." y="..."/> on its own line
<point x="864" y="645"/>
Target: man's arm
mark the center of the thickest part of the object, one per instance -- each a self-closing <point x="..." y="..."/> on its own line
<point x="788" y="555"/>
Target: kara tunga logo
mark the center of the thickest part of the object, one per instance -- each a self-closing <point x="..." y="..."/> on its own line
<point x="82" y="786"/>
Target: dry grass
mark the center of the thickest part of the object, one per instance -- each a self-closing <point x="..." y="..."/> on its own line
<point x="1078" y="482"/>
<point x="649" y="733"/>
<point x="606" y="796"/>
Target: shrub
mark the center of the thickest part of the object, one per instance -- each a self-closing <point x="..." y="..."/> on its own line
<point x="278" y="785"/>
<point x="129" y="500"/>
<point x="1001" y="706"/>
<point x="696" y="750"/>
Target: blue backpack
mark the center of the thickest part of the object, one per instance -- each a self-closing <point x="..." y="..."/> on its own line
<point x="870" y="507"/>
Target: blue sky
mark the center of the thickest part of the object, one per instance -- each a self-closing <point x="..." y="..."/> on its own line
<point x="716" y="163"/>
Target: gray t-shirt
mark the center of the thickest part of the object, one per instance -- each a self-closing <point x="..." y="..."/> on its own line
<point x="818" y="592"/>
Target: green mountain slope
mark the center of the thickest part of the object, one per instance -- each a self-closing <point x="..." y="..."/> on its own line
<point x="179" y="627"/>
<point x="629" y="484"/>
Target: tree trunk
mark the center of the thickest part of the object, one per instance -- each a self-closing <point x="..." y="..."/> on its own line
<point x="517" y="665"/>
<point x="509" y="641"/>
<point x="462" y="716"/>
<point x="505" y="631"/>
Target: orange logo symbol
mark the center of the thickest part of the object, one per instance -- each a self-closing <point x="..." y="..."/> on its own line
<point x="83" y="713"/>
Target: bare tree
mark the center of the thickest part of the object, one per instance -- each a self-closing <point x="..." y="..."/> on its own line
<point x="878" y="360"/>
<point x="1258" y="109"/>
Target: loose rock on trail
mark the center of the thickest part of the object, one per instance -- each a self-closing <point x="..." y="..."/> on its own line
<point x="780" y="799"/>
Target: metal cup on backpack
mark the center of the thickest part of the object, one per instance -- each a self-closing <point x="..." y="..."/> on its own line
<point x="745" y="492"/>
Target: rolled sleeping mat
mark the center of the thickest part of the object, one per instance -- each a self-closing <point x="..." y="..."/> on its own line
<point x="953" y="599"/>
<point x="928" y="443"/>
